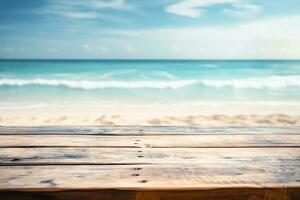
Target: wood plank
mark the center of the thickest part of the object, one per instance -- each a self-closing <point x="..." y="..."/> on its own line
<point x="150" y="177"/>
<point x="150" y="163"/>
<point x="166" y="141"/>
<point x="134" y="130"/>
<point x="79" y="156"/>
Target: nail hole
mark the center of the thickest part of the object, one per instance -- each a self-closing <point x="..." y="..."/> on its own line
<point x="135" y="143"/>
<point x="15" y="159"/>
<point x="138" y="168"/>
<point x="140" y="151"/>
<point x="140" y="156"/>
<point x="135" y="175"/>
<point x="143" y="181"/>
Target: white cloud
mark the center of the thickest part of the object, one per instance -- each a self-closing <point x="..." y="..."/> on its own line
<point x="275" y="38"/>
<point x="193" y="8"/>
<point x="243" y="9"/>
<point x="95" y="4"/>
<point x="116" y="4"/>
<point x="119" y="33"/>
<point x="84" y="9"/>
<point x="94" y="48"/>
<point x="78" y="15"/>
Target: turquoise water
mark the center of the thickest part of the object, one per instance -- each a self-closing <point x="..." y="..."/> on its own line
<point x="45" y="81"/>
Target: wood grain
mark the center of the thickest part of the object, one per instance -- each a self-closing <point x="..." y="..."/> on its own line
<point x="163" y="141"/>
<point x="44" y="156"/>
<point x="152" y="163"/>
<point x="146" y="130"/>
<point x="150" y="177"/>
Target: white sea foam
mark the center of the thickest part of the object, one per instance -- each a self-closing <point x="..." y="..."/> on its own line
<point x="88" y="85"/>
<point x="116" y="73"/>
<point x="272" y="82"/>
<point x="165" y="74"/>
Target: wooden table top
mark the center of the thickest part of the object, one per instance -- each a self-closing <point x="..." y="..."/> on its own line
<point x="259" y="161"/>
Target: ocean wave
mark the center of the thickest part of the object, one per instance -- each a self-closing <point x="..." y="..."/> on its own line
<point x="117" y="73"/>
<point x="165" y="74"/>
<point x="98" y="75"/>
<point x="271" y="82"/>
<point x="89" y="85"/>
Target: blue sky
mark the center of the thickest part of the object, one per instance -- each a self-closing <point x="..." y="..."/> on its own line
<point x="152" y="29"/>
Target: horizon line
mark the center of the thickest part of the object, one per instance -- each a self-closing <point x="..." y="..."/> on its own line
<point x="139" y="59"/>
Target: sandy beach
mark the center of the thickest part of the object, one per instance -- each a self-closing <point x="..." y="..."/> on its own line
<point x="196" y="114"/>
<point x="191" y="120"/>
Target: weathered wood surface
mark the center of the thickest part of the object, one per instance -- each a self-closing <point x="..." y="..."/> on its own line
<point x="162" y="141"/>
<point x="146" y="162"/>
<point x="148" y="130"/>
<point x="150" y="177"/>
<point x="91" y="156"/>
